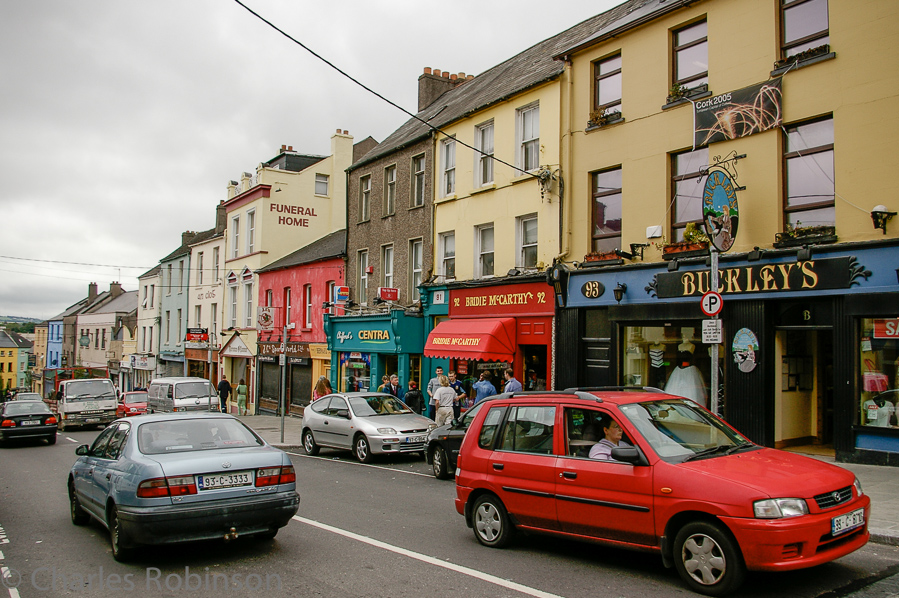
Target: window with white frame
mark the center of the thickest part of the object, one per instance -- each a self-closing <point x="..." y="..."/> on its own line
<point x="251" y="231"/>
<point x="168" y="273"/>
<point x="235" y="236"/>
<point x="215" y="264"/>
<point x="529" y="137"/>
<point x="484" y="156"/>
<point x="103" y="337"/>
<point x="804" y="25"/>
<point x="248" y="302"/>
<point x="364" y="198"/>
<point x="607" y="91"/>
<point x="150" y="341"/>
<point x="527" y="241"/>
<point x="387" y="266"/>
<point x="691" y="55"/>
<point x="307" y="306"/>
<point x="232" y="302"/>
<point x="198" y="316"/>
<point x="418" y="181"/>
<point x="415" y="267"/>
<point x="484" y="250"/>
<point x="268" y="298"/>
<point x="606" y="229"/>
<point x="447" y="248"/>
<point x="168" y="327"/>
<point x="448" y="164"/>
<point x="180" y="276"/>
<point x="146" y="295"/>
<point x="321" y="184"/>
<point x="389" y="190"/>
<point x="213" y="322"/>
<point x="143" y="339"/>
<point x="287" y="306"/>
<point x="152" y="294"/>
<point x="179" y="329"/>
<point x="809" y="175"/>
<point x="200" y="268"/>
<point x="362" y="283"/>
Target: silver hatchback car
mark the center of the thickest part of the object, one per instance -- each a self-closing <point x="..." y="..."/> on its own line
<point x="367" y="423"/>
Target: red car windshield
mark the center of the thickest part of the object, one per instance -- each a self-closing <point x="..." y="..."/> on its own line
<point x="135" y="397"/>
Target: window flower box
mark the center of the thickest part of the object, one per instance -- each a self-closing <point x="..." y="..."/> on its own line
<point x="822" y="50"/>
<point x="680" y="92"/>
<point x="797" y="236"/>
<point x="601" y="256"/>
<point x="601" y="118"/>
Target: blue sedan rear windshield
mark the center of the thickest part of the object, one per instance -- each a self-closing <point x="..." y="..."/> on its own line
<point x="201" y="434"/>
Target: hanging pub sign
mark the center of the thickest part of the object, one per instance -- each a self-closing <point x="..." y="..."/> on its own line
<point x="719" y="208"/>
<point x="812" y="275"/>
<point x="738" y="113"/>
<point x="745" y="349"/>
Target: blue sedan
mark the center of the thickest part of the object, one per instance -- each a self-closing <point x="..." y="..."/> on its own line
<point x="158" y="479"/>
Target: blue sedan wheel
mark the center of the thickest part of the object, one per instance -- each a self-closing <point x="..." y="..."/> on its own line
<point x="116" y="537"/>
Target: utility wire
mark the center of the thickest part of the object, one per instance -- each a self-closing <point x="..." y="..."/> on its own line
<point x="375" y="93"/>
<point x="26" y="259"/>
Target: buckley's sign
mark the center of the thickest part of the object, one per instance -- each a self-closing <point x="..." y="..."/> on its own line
<point x="812" y="275"/>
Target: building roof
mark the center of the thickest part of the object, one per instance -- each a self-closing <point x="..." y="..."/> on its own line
<point x="523" y="71"/>
<point x="126" y="302"/>
<point x="14" y="340"/>
<point x="184" y="249"/>
<point x="151" y="272"/>
<point x="330" y="246"/>
<point x="633" y="14"/>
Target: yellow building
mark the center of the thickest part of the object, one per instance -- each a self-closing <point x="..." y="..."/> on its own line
<point x="41" y="332"/>
<point x="768" y="123"/>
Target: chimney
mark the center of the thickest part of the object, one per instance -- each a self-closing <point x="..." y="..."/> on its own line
<point x="221" y="218"/>
<point x="91" y="292"/>
<point x="115" y="289"/>
<point x="186" y="236"/>
<point x="433" y="83"/>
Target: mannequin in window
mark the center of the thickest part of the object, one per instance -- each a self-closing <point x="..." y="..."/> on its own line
<point x="877" y="412"/>
<point x="686" y="379"/>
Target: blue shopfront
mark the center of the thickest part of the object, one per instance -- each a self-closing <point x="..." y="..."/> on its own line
<point x="808" y="342"/>
<point x="364" y="348"/>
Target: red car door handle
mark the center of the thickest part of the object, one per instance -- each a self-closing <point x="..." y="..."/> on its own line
<point x="568" y="474"/>
<point x="498" y="466"/>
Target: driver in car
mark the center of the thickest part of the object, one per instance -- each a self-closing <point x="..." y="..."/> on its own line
<point x="602" y="450"/>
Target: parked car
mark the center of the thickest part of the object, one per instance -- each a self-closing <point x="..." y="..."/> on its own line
<point x="682" y="484"/>
<point x="367" y="423"/>
<point x="444" y="443"/>
<point x="132" y="403"/>
<point x="161" y="479"/>
<point x="27" y="419"/>
<point x="181" y="393"/>
<point x="27" y="396"/>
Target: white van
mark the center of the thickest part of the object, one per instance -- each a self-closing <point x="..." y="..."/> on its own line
<point x="181" y="394"/>
<point x="85" y="402"/>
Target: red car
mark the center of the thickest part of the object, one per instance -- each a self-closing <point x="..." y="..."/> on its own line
<point x="655" y="473"/>
<point x="132" y="403"/>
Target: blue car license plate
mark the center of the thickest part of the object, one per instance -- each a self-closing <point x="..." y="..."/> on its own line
<point x="225" y="480"/>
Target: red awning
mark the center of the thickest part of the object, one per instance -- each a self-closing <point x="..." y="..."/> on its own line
<point x="487" y="339"/>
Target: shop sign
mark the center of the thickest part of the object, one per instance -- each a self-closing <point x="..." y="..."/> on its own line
<point x="374" y="336"/>
<point x="343" y="335"/>
<point x="319" y="352"/>
<point x="438" y="298"/>
<point x="493" y="365"/>
<point x="292" y="349"/>
<point x="745" y="349"/>
<point x="265" y="318"/>
<point x="886" y="328"/>
<point x="191" y="345"/>
<point x="341" y="294"/>
<point x="355" y="355"/>
<point x="143" y="362"/>
<point x="389" y="293"/>
<point x="298" y="360"/>
<point x="236" y="348"/>
<point x="719" y="208"/>
<point x="738" y="113"/>
<point x="506" y="300"/>
<point x="357" y="365"/>
<point x="462" y="367"/>
<point x="267" y="359"/>
<point x="196" y="335"/>
<point x="196" y="354"/>
<point x="811" y="275"/>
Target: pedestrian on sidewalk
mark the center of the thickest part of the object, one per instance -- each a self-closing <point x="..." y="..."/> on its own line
<point x="393" y="386"/>
<point x="413" y="397"/>
<point x="224" y="389"/>
<point x="384" y="381"/>
<point x="445" y="396"/>
<point x="512" y="385"/>
<point x="433" y="385"/>
<point x="483" y="388"/>
<point x="242" y="392"/>
<point x="460" y="394"/>
<point x="322" y="388"/>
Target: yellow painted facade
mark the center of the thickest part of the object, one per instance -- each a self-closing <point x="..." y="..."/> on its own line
<point x="512" y="194"/>
<point x="859" y="88"/>
<point x="9" y="359"/>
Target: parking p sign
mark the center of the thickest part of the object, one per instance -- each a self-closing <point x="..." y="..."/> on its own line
<point x="711" y="303"/>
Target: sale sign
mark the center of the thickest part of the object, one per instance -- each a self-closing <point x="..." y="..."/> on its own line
<point x="886" y="328"/>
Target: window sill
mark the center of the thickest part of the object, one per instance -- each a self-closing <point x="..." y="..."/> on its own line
<point x="446" y="198"/>
<point x="325" y="196"/>
<point x="367" y="220"/>
<point x="484" y="189"/>
<point x="390" y="215"/>
<point x="686" y="100"/>
<point x="594" y="127"/>
<point x="803" y="63"/>
<point x="416" y="207"/>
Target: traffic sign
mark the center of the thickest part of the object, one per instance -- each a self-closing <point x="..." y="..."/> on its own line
<point x="711" y="303"/>
<point x="712" y="332"/>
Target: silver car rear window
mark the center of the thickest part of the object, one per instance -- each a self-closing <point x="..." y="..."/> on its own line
<point x="201" y="434"/>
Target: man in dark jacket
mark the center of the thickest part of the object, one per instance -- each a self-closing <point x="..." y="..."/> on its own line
<point x="224" y="389"/>
<point x="413" y="398"/>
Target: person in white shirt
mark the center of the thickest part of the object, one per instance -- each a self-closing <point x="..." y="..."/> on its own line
<point x="445" y="396"/>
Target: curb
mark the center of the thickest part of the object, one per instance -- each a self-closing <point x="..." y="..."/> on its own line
<point x="888" y="537"/>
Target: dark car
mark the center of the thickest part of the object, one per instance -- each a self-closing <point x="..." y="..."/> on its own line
<point x="27" y="419"/>
<point x="444" y="443"/>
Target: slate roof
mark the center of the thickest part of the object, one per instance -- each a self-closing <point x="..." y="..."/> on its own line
<point x="11" y="340"/>
<point x="152" y="271"/>
<point x="523" y="71"/>
<point x="126" y="302"/>
<point x="330" y="246"/>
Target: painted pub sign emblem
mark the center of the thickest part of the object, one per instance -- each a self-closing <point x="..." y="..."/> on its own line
<point x="719" y="209"/>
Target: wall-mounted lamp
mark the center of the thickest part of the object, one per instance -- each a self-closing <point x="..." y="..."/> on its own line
<point x="378" y="301"/>
<point x="278" y="190"/>
<point x="619" y="291"/>
<point x="755" y="255"/>
<point x="513" y="272"/>
<point x="326" y="305"/>
<point x="804" y="254"/>
<point x="673" y="265"/>
<point x="880" y="215"/>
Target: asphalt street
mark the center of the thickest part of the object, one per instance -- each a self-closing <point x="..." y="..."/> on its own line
<point x="386" y="529"/>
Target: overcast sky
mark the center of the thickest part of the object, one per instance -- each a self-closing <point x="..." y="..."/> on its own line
<point x="121" y="122"/>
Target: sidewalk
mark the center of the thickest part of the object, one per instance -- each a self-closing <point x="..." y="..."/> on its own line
<point x="879" y="482"/>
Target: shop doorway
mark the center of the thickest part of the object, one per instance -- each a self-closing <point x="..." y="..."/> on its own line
<point x="804" y="390"/>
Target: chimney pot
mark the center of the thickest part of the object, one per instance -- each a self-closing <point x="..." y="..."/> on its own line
<point x="345" y="132"/>
<point x="461" y="75"/>
<point x="290" y="148"/>
<point x="427" y="70"/>
<point x="283" y="147"/>
<point x="437" y="72"/>
<point x="453" y="77"/>
<point x="445" y="75"/>
<point x="338" y="131"/>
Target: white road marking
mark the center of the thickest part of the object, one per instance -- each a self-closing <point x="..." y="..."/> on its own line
<point x="360" y="464"/>
<point x="70" y="439"/>
<point x="431" y="560"/>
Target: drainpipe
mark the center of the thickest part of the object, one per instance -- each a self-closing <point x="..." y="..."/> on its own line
<point x="565" y="159"/>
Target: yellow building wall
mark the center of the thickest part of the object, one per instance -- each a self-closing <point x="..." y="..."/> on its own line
<point x="860" y="87"/>
<point x="512" y="193"/>
<point x="9" y="376"/>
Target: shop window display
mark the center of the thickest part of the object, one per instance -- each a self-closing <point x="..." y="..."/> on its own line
<point x="879" y="366"/>
<point x="670" y="358"/>
<point x="355" y="372"/>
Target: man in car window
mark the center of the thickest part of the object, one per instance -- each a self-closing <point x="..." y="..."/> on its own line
<point x="603" y="449"/>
